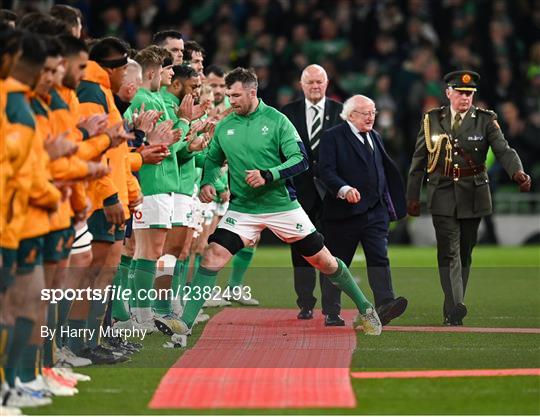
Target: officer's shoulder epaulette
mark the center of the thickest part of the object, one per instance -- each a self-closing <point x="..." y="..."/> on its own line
<point x="434" y="110"/>
<point x="487" y="111"/>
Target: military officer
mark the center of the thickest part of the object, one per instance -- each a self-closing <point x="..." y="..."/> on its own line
<point x="451" y="150"/>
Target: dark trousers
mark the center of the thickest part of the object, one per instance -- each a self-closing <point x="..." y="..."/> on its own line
<point x="369" y="229"/>
<point x="456" y="239"/>
<point x="305" y="277"/>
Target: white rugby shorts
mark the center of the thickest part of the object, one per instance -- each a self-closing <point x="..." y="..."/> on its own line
<point x="183" y="210"/>
<point x="290" y="226"/>
<point x="156" y="212"/>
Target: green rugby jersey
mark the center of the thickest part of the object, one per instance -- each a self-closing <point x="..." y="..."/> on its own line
<point x="264" y="139"/>
<point x="164" y="177"/>
<point x="186" y="160"/>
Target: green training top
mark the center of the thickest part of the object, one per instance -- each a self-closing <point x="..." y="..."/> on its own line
<point x="264" y="139"/>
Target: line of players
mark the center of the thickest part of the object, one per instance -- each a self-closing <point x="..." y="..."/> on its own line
<point x="93" y="135"/>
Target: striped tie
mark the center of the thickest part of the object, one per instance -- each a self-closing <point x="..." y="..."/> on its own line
<point x="314" y="136"/>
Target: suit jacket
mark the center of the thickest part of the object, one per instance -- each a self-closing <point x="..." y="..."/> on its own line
<point x="309" y="190"/>
<point x="465" y="197"/>
<point x="342" y="162"/>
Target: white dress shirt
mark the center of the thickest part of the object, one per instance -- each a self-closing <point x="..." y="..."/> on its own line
<point x="310" y="112"/>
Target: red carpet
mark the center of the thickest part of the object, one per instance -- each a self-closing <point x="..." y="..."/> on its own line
<point x="447" y="373"/>
<point x="257" y="358"/>
<point x="460" y="329"/>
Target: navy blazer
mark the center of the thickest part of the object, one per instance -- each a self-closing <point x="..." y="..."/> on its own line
<point x="307" y="190"/>
<point x="342" y="162"/>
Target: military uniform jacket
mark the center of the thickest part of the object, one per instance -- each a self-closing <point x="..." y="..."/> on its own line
<point x="455" y="195"/>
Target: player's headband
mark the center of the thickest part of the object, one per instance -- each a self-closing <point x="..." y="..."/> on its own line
<point x="114" y="63"/>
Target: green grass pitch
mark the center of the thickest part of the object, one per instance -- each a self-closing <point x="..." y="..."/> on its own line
<point x="504" y="291"/>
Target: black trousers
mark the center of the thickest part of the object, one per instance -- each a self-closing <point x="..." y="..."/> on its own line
<point x="305" y="277"/>
<point x="369" y="229"/>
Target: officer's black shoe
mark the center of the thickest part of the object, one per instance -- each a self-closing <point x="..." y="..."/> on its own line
<point x="448" y="322"/>
<point x="455" y="318"/>
<point x="457" y="314"/>
<point x="391" y="310"/>
<point x="333" y="320"/>
<point x="305" y="314"/>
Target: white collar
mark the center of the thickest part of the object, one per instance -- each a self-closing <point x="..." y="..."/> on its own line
<point x="319" y="105"/>
<point x="356" y="131"/>
<point x="359" y="136"/>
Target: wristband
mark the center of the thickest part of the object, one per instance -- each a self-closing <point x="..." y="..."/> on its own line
<point x="111" y="200"/>
<point x="267" y="175"/>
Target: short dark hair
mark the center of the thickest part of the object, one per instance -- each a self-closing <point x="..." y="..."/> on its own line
<point x="190" y="47"/>
<point x="160" y="37"/>
<point x="43" y="24"/>
<point x="246" y="76"/>
<point x="104" y="48"/>
<point x="183" y="72"/>
<point x="54" y="46"/>
<point x="214" y="69"/>
<point x="34" y="51"/>
<point x="10" y="39"/>
<point x="67" y="14"/>
<point x="8" y="15"/>
<point x="72" y="45"/>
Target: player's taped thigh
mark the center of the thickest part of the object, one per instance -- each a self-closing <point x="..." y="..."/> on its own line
<point x="309" y="245"/>
<point x="229" y="240"/>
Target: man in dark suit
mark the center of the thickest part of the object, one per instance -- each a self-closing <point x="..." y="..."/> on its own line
<point x="312" y="116"/>
<point x="365" y="193"/>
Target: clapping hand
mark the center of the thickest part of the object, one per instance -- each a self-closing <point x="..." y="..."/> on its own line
<point x="118" y="135"/>
<point x="58" y="146"/>
<point x="154" y="154"/>
<point x="94" y="125"/>
<point x="164" y="134"/>
<point x="145" y="120"/>
<point x="198" y="142"/>
<point x="97" y="170"/>
<point x="188" y="110"/>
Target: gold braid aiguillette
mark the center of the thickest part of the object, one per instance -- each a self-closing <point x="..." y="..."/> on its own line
<point x="434" y="145"/>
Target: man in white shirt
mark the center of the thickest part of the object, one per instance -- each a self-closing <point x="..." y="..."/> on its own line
<point x="311" y="116"/>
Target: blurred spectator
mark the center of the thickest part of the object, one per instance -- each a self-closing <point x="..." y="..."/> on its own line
<point x="393" y="50"/>
<point x="8" y="16"/>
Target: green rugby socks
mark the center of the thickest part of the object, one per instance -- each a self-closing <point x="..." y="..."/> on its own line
<point x="343" y="279"/>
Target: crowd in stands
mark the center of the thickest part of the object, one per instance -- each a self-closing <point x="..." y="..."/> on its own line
<point x="394" y="51"/>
